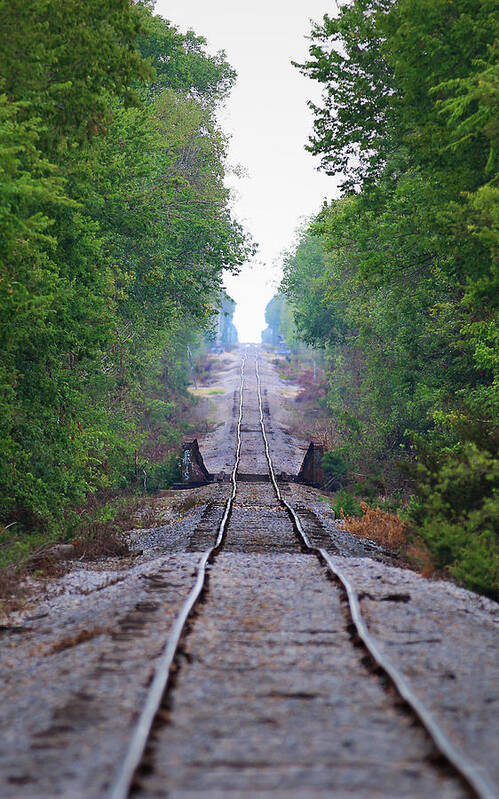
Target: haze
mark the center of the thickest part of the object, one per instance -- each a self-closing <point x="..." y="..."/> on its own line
<point x="269" y="122"/>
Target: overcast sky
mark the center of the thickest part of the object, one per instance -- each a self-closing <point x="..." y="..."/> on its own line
<point x="269" y="122"/>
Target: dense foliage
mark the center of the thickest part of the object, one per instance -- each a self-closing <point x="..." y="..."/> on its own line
<point x="280" y="323"/>
<point x="223" y="332"/>
<point x="115" y="229"/>
<point x="397" y="279"/>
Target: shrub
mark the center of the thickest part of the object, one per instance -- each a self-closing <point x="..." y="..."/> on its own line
<point x="345" y="504"/>
<point x="162" y="475"/>
<point x="386" y="528"/>
<point x="335" y="466"/>
<point x="457" y="514"/>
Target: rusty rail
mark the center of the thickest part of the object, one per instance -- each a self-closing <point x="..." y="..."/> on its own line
<point x="469" y="772"/>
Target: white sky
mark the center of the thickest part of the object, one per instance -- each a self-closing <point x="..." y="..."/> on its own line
<point x="269" y="123"/>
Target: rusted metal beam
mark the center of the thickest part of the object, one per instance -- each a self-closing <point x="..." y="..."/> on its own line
<point x="311" y="472"/>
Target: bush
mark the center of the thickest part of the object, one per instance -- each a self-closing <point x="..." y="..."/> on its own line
<point x="335" y="466"/>
<point x="381" y="526"/>
<point x="163" y="475"/>
<point x="345" y="504"/>
<point x="457" y="514"/>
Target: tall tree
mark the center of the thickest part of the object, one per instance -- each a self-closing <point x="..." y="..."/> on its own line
<point x="408" y="287"/>
<point x="116" y="230"/>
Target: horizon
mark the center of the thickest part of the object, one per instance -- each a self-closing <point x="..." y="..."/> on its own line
<point x="282" y="185"/>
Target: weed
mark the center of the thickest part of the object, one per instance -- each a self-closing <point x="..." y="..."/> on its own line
<point x="98" y="543"/>
<point x="147" y="518"/>
<point x="335" y="466"/>
<point x="379" y="525"/>
<point x="12" y="590"/>
<point x="162" y="475"/>
<point x="98" y="533"/>
<point x="345" y="503"/>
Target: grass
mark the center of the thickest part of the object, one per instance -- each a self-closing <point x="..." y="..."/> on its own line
<point x="379" y="525"/>
<point x="392" y="532"/>
<point x="204" y="391"/>
<point x="96" y="534"/>
<point x="345" y="504"/>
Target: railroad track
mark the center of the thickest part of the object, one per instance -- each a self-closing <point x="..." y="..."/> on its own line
<point x="140" y="752"/>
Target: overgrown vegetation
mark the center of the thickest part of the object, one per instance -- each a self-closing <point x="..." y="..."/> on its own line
<point x="377" y="524"/>
<point x="116" y="227"/>
<point x="397" y="279"/>
<point x="94" y="531"/>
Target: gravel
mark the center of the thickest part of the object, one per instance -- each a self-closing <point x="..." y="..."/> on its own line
<point x="272" y="695"/>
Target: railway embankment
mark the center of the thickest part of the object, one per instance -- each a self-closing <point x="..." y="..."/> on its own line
<point x="267" y="687"/>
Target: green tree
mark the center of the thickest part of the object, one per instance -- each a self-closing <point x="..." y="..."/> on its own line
<point x="116" y="228"/>
<point x="405" y="299"/>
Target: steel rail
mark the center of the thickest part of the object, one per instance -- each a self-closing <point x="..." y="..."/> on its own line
<point x="468" y="771"/>
<point x="123" y="779"/>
